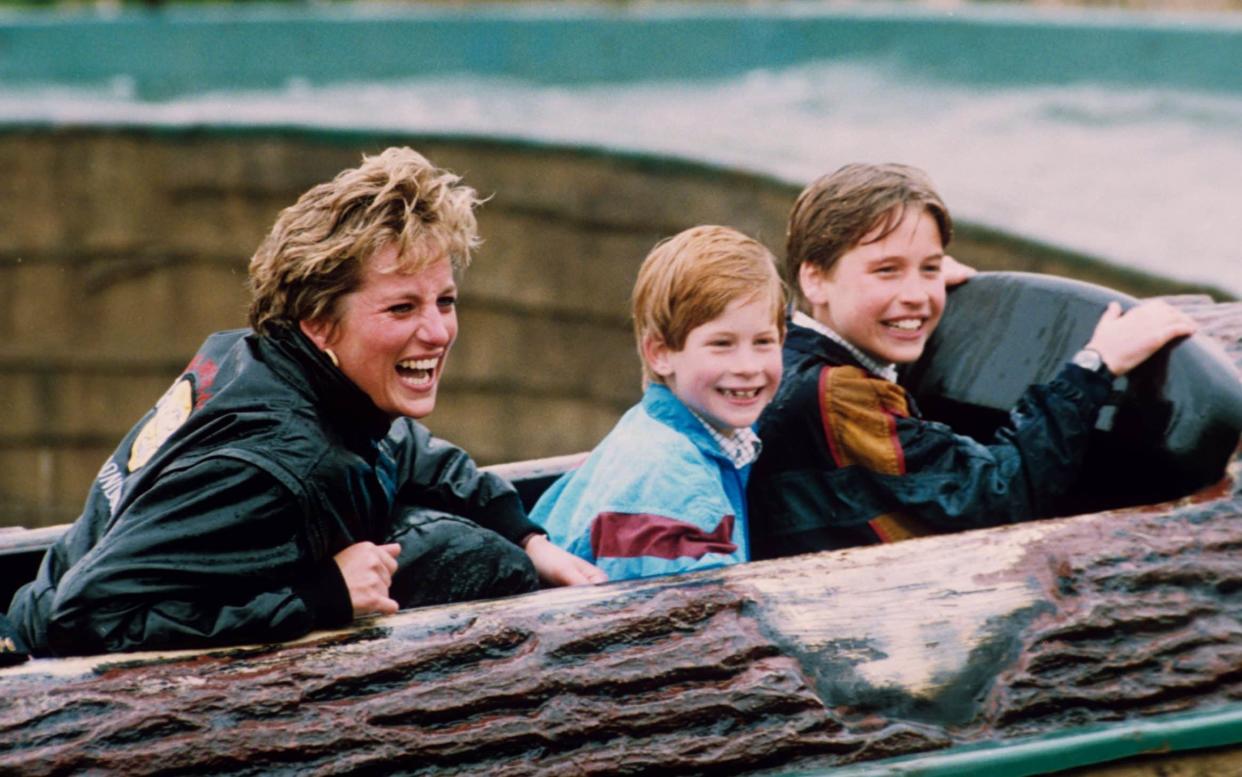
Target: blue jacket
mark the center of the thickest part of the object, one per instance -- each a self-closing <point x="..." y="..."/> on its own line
<point x="657" y="496"/>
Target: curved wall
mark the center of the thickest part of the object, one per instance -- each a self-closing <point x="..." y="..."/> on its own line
<point x="120" y="249"/>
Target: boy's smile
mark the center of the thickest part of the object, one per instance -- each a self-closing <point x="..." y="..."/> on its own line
<point x="729" y="368"/>
<point x="885" y="296"/>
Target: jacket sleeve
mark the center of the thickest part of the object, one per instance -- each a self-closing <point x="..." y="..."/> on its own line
<point x="628" y="545"/>
<point x="212" y="553"/>
<point x="436" y="474"/>
<point x="894" y="465"/>
<point x="637" y="509"/>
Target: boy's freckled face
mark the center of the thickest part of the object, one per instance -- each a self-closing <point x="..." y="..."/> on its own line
<point x="729" y="368"/>
<point x="886" y="297"/>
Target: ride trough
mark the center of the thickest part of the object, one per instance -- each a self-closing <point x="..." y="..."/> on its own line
<point x="1110" y="636"/>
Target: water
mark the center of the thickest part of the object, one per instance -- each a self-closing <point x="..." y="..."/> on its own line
<point x="1146" y="178"/>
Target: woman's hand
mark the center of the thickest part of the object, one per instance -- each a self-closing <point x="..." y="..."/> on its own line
<point x="954" y="272"/>
<point x="1126" y="340"/>
<point x="368" y="569"/>
<point x="560" y="567"/>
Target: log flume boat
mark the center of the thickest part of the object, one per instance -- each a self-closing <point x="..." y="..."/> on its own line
<point x="1071" y="643"/>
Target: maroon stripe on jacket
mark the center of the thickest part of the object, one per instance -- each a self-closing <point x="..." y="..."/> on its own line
<point x="629" y="535"/>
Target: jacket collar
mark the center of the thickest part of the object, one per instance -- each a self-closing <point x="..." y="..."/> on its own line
<point x="813" y="346"/>
<point x="803" y="340"/>
<point x="885" y="370"/>
<point x="291" y="355"/>
<point x="663" y="405"/>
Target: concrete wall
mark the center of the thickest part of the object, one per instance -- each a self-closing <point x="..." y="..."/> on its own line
<point x="121" y="249"/>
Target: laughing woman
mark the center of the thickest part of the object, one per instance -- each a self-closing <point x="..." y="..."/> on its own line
<point x="281" y="484"/>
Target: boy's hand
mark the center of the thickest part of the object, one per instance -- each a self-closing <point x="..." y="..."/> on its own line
<point x="368" y="569"/>
<point x="1125" y="341"/>
<point x="560" y="567"/>
<point x="954" y="272"/>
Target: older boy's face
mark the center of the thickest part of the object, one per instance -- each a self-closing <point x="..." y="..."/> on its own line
<point x="730" y="367"/>
<point x="885" y="297"/>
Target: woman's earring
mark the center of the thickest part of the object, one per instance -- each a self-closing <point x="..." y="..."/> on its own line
<point x="332" y="355"/>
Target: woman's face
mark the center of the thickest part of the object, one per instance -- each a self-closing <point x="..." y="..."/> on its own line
<point x="394" y="333"/>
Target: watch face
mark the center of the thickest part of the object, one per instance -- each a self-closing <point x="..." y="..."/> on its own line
<point x="1088" y="360"/>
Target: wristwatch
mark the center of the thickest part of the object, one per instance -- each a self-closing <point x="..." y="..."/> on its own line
<point x="1091" y="361"/>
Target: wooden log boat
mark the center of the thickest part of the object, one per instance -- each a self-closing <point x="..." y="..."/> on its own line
<point x="1114" y="636"/>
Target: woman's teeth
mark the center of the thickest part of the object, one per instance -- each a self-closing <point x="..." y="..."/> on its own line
<point x="417" y="371"/>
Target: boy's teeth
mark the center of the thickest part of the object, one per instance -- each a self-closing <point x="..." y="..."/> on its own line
<point x="906" y="323"/>
<point x="740" y="394"/>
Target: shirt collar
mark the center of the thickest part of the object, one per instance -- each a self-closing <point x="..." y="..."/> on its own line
<point x="885" y="370"/>
<point x="741" y="447"/>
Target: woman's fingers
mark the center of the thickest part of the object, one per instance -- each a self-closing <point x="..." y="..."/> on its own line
<point x="367" y="569"/>
<point x="388" y="557"/>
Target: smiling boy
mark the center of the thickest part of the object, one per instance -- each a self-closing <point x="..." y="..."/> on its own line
<point x="846" y="458"/>
<point x="665" y="491"/>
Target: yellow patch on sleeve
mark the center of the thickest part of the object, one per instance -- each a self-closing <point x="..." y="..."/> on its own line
<point x="170" y="413"/>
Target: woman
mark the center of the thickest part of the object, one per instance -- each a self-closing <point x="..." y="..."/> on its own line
<point x="253" y="501"/>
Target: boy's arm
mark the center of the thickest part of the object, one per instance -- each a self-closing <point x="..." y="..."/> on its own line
<point x="891" y="464"/>
<point x="628" y="545"/>
<point x="952" y="481"/>
<point x="557" y="567"/>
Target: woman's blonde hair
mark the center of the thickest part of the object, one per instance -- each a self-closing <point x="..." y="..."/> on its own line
<point x="689" y="279"/>
<point x="315" y="252"/>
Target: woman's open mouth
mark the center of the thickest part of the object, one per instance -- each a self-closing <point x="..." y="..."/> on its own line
<point x="417" y="373"/>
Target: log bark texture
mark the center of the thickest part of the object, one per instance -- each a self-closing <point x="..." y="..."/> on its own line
<point x="802" y="663"/>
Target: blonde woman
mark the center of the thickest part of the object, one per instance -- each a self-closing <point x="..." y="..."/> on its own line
<point x="281" y="484"/>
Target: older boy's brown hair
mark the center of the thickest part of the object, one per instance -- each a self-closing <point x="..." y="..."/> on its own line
<point x="315" y="251"/>
<point x="836" y="211"/>
<point x="689" y="279"/>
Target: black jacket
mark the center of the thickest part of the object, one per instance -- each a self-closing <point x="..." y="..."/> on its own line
<point x="216" y="519"/>
<point x="847" y="459"/>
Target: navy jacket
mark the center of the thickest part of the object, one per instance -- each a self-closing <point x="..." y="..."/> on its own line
<point x="847" y="460"/>
<point x="216" y="519"/>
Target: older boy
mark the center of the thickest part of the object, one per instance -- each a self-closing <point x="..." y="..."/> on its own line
<point x="847" y="460"/>
<point x="665" y="491"/>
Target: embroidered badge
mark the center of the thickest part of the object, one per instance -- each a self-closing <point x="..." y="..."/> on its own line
<point x="170" y="413"/>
